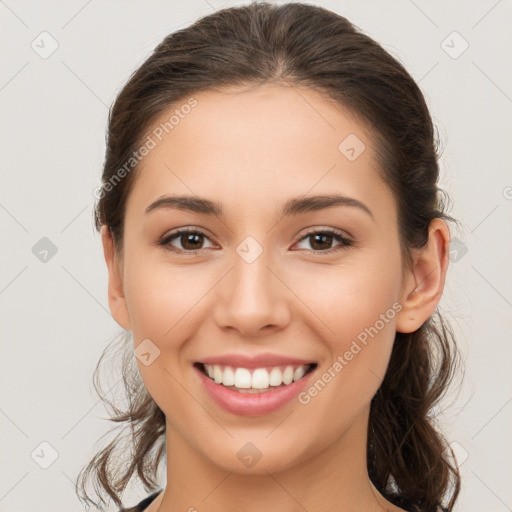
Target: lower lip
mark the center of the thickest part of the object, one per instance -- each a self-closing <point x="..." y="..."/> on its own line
<point x="252" y="404"/>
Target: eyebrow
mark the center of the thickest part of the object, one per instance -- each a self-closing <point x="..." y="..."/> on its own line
<point x="293" y="206"/>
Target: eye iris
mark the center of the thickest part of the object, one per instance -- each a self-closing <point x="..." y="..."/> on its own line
<point x="321" y="236"/>
<point x="187" y="237"/>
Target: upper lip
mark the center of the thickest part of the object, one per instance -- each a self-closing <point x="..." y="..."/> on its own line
<point x="256" y="361"/>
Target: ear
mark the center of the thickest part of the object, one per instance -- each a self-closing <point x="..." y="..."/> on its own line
<point x="116" y="299"/>
<point x="424" y="281"/>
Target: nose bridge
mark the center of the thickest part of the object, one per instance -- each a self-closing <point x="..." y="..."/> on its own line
<point x="251" y="297"/>
<point x="252" y="280"/>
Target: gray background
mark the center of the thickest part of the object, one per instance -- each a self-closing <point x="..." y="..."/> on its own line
<point x="54" y="313"/>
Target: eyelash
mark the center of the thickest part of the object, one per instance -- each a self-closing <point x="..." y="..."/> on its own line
<point x="344" y="242"/>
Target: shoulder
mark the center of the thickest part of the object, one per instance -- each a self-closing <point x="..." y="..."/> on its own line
<point x="140" y="507"/>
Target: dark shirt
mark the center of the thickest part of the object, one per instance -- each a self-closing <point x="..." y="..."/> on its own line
<point x="143" y="505"/>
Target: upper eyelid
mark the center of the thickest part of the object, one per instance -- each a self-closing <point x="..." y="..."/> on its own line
<point x="313" y="230"/>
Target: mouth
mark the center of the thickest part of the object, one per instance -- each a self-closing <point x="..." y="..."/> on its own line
<point x="255" y="380"/>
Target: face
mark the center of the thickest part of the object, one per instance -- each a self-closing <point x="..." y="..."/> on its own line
<point x="316" y="288"/>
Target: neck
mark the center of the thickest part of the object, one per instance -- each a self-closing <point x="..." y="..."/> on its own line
<point x="332" y="480"/>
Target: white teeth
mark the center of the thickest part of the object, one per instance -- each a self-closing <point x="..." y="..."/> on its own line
<point x="217" y="374"/>
<point x="288" y="375"/>
<point x="260" y="378"/>
<point x="299" y="373"/>
<point x="275" y="377"/>
<point x="229" y="376"/>
<point x="242" y="378"/>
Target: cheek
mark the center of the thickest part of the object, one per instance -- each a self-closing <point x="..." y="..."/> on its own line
<point x="354" y="314"/>
<point x="359" y="308"/>
<point x="346" y="300"/>
<point x="160" y="297"/>
<point x="163" y="301"/>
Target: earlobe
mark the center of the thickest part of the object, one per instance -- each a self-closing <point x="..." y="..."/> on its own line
<point x="424" y="281"/>
<point x="116" y="298"/>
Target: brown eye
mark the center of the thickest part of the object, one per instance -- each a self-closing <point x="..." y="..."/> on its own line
<point x="321" y="240"/>
<point x="189" y="240"/>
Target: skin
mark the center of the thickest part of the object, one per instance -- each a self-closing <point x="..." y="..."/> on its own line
<point x="251" y="149"/>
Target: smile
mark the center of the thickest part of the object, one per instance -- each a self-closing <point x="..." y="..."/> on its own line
<point x="255" y="380"/>
<point x="253" y="386"/>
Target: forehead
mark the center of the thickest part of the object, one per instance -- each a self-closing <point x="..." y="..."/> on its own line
<point x="245" y="146"/>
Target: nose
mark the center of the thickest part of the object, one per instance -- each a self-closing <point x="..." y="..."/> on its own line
<point x="252" y="298"/>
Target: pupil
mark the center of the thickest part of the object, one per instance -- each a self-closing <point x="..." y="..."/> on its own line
<point x="322" y="236"/>
<point x="188" y="240"/>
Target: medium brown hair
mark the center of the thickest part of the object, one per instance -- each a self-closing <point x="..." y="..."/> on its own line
<point x="308" y="46"/>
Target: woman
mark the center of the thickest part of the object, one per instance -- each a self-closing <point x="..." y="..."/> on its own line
<point x="277" y="248"/>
